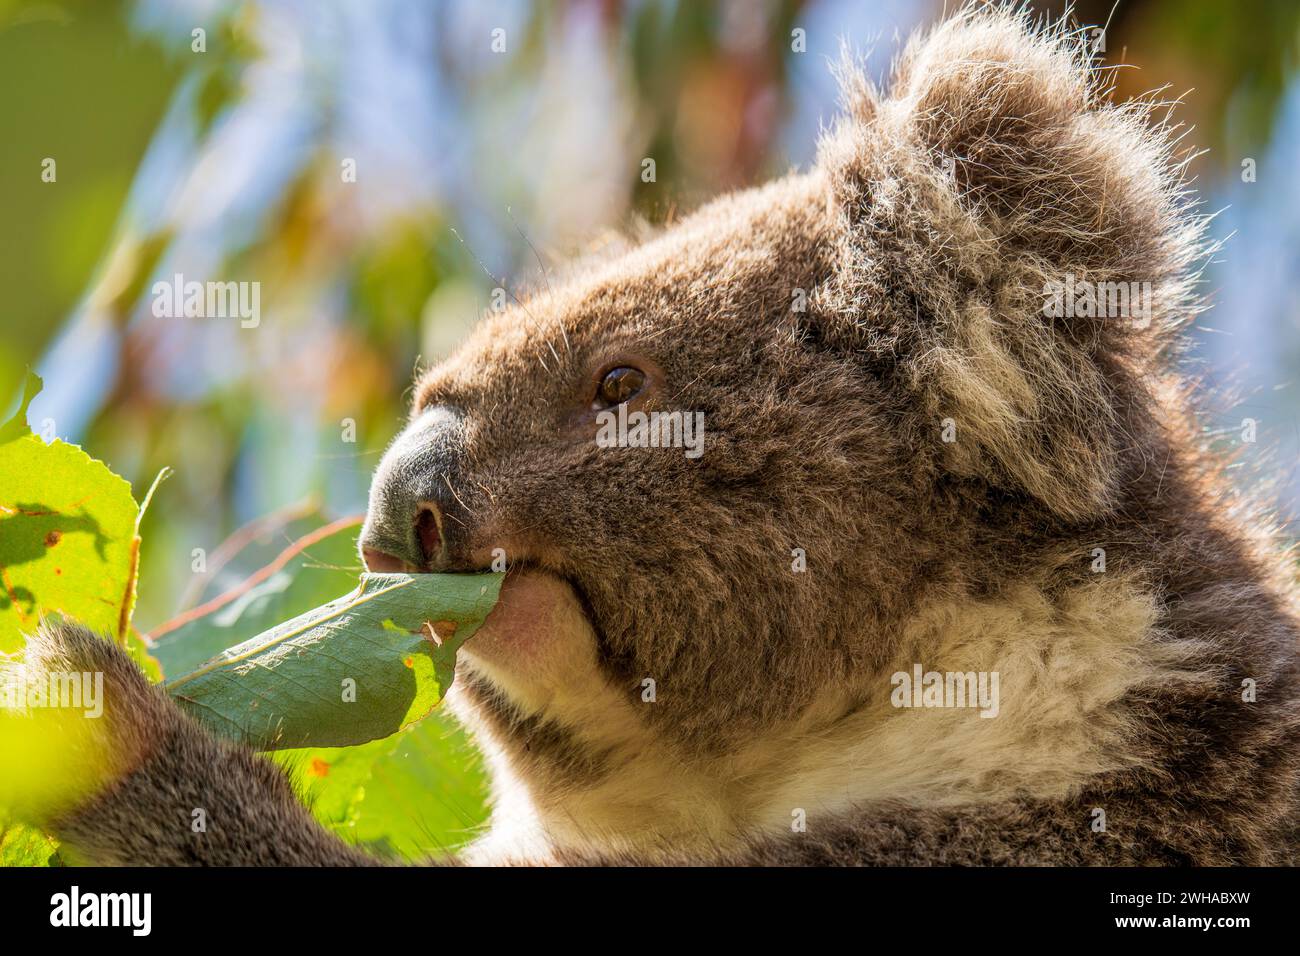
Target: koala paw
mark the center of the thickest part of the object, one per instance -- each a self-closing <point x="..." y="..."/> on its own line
<point x="76" y="713"/>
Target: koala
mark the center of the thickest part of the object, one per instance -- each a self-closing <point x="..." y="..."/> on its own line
<point x="912" y="459"/>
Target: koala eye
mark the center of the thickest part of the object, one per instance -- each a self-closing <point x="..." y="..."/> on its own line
<point x="620" y="385"/>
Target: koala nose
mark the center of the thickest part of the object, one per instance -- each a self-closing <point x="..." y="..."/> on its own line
<point x="415" y="522"/>
<point x="414" y="556"/>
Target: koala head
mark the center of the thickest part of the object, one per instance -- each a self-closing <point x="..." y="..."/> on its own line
<point x="886" y="410"/>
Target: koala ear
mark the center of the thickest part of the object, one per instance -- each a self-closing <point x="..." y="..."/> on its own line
<point x="994" y="173"/>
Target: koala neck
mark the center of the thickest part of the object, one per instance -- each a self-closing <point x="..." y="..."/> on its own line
<point x="1065" y="660"/>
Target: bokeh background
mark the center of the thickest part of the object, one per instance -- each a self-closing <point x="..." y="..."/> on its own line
<point x="472" y="167"/>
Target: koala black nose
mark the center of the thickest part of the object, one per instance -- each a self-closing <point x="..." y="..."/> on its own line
<point x="413" y="557"/>
<point x="415" y="522"/>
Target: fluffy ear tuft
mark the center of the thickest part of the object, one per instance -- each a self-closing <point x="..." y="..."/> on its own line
<point x="1017" y="118"/>
<point x="994" y="172"/>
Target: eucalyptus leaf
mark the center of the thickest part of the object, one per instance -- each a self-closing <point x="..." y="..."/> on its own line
<point x="419" y="793"/>
<point x="309" y="579"/>
<point x="357" y="669"/>
<point x="68" y="545"/>
<point x="23" y="846"/>
<point x="67" y="530"/>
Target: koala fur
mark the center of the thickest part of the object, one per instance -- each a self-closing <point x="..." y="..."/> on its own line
<point x="923" y="289"/>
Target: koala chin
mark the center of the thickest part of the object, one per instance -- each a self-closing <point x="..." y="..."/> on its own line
<point x="928" y="475"/>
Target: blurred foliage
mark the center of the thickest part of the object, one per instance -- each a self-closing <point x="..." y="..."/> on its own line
<point x="1239" y="59"/>
<point x="82" y="88"/>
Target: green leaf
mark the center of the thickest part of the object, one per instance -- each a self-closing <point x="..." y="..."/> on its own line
<point x="418" y="793"/>
<point x="393" y="640"/>
<point x="23" y="846"/>
<point x="67" y="535"/>
<point x="68" y="545"/>
<point x="317" y="569"/>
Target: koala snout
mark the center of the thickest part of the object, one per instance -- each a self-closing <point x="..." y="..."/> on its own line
<point x="416" y="521"/>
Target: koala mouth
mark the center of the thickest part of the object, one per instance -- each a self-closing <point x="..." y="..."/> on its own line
<point x="540" y="611"/>
<point x="539" y="606"/>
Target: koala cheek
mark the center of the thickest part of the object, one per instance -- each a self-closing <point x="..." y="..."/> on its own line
<point x="536" y="643"/>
